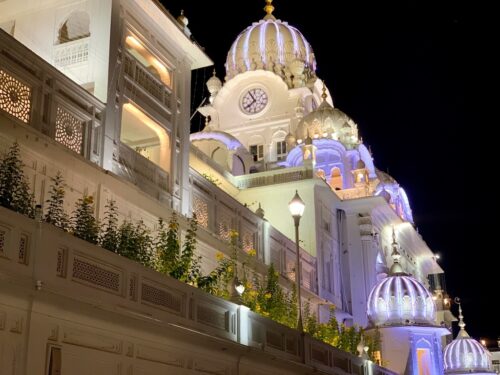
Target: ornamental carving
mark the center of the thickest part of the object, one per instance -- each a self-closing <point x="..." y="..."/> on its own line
<point x="15" y="97"/>
<point x="69" y="130"/>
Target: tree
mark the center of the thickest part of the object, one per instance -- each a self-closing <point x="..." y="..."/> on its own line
<point x="110" y="236"/>
<point x="167" y="246"/>
<point x="85" y="225"/>
<point x="135" y="242"/>
<point x="55" y="204"/>
<point x="14" y="188"/>
<point x="188" y="266"/>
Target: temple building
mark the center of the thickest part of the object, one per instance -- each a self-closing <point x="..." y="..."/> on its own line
<point x="99" y="90"/>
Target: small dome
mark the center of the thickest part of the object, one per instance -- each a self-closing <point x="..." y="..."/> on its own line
<point x="327" y="121"/>
<point x="360" y="164"/>
<point x="214" y="84"/>
<point x="400" y="299"/>
<point x="273" y="45"/>
<point x="466" y="355"/>
<point x="290" y="140"/>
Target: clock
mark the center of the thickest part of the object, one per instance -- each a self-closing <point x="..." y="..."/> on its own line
<point x="254" y="101"/>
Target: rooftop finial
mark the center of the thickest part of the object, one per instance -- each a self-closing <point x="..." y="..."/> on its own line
<point x="269" y="9"/>
<point x="324" y="95"/>
<point x="461" y="322"/>
<point x="396" y="267"/>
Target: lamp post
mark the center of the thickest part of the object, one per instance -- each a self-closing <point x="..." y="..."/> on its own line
<point x="296" y="207"/>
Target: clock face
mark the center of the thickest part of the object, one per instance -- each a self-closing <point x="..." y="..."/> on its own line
<point x="254" y="101"/>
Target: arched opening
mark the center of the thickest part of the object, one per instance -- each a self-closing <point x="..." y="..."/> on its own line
<point x="145" y="136"/>
<point x="76" y="26"/>
<point x="137" y="49"/>
<point x="336" y="182"/>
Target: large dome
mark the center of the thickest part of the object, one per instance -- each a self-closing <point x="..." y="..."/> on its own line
<point x="273" y="45"/>
<point x="466" y="355"/>
<point x="400" y="299"/>
<point x="328" y="122"/>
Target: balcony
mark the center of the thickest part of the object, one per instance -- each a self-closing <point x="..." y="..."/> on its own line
<point x="65" y="270"/>
<point x="144" y="87"/>
<point x="71" y="53"/>
<point x="273" y="177"/>
<point x="34" y="93"/>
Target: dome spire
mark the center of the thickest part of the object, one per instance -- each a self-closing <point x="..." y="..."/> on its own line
<point x="396" y="267"/>
<point x="324" y="95"/>
<point x="269" y="9"/>
<point x="461" y="323"/>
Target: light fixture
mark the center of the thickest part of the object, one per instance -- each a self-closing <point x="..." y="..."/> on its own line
<point x="296" y="206"/>
<point x="239" y="286"/>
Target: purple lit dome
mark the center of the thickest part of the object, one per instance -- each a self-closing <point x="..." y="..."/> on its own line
<point x="272" y="45"/>
<point x="466" y="355"/>
<point x="400" y="299"/>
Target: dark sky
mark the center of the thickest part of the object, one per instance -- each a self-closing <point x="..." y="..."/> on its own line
<point x="413" y="75"/>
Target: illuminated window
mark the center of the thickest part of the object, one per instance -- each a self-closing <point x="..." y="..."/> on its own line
<point x="336" y="179"/>
<point x="145" y="136"/>
<point x="281" y="150"/>
<point x="257" y="152"/>
<point x="76" y="26"/>
<point x="424" y="361"/>
<point x="152" y="64"/>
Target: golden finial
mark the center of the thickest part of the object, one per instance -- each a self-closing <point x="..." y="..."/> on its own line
<point x="324" y="95"/>
<point x="269" y="9"/>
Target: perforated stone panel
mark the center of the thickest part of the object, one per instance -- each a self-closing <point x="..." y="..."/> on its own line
<point x="23" y="248"/>
<point x="161" y="298"/>
<point x="15" y="97"/>
<point x="95" y="275"/>
<point x="69" y="130"/>
<point x="212" y="317"/>
<point x="3" y="239"/>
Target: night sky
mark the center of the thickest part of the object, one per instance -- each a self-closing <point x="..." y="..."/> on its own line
<point x="414" y="76"/>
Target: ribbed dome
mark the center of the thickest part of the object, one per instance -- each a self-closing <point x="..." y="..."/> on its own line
<point x="466" y="355"/>
<point x="328" y="122"/>
<point x="273" y="45"/>
<point x="400" y="300"/>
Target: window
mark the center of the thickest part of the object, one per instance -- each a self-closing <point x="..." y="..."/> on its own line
<point x="281" y="150"/>
<point x="257" y="152"/>
<point x="424" y="361"/>
<point x="77" y="26"/>
<point x="144" y="135"/>
<point x="153" y="65"/>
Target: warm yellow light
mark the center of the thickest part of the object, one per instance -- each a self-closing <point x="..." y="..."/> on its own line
<point x="296" y="205"/>
<point x="483" y="342"/>
<point x="133" y="42"/>
<point x="446" y="301"/>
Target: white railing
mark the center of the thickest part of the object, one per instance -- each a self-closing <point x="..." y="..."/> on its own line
<point x="279" y="176"/>
<point x="71" y="53"/>
<point x="146" y="81"/>
<point x="58" y="264"/>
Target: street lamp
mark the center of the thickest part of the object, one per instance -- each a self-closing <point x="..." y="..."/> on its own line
<point x="296" y="207"/>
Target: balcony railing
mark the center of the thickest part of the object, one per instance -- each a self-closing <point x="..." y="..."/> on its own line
<point x="273" y="177"/>
<point x="34" y="93"/>
<point x="71" y="53"/>
<point x="142" y="172"/>
<point x="145" y="81"/>
<point x="60" y="265"/>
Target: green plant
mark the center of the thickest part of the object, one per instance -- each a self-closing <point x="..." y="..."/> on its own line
<point x="85" y="225"/>
<point x="188" y="269"/>
<point x="135" y="242"/>
<point x="110" y="235"/>
<point x="55" y="204"/>
<point x="167" y="245"/>
<point x="14" y="189"/>
<point x="211" y="179"/>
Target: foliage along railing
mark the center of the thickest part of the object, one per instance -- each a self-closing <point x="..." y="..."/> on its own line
<point x="70" y="267"/>
<point x="35" y="93"/>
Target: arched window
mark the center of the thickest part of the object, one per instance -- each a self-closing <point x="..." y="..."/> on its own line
<point x="76" y="26"/>
<point x="336" y="182"/>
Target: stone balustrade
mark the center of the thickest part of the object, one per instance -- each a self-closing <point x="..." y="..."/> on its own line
<point x="39" y="257"/>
